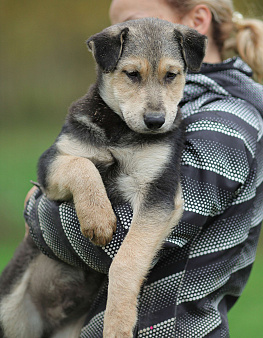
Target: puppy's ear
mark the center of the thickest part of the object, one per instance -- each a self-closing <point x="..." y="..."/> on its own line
<point x="107" y="47"/>
<point x="193" y="46"/>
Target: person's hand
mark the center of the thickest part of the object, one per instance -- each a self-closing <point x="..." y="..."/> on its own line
<point x="29" y="194"/>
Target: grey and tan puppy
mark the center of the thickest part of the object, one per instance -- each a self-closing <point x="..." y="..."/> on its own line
<point x="121" y="142"/>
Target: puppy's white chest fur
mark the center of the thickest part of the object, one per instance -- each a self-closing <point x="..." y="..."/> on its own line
<point x="139" y="165"/>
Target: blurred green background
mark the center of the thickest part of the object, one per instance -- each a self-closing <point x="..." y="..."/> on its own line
<point x="44" y="66"/>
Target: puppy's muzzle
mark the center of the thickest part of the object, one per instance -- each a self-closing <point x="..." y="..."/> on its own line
<point x="154" y="121"/>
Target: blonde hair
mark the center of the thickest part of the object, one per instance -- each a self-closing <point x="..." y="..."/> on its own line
<point x="232" y="32"/>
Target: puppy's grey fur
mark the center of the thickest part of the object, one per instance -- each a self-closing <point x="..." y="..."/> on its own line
<point x="121" y="142"/>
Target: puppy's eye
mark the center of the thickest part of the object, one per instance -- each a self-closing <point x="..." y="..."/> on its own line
<point x="169" y="77"/>
<point x="134" y="76"/>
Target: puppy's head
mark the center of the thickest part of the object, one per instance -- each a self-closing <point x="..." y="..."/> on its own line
<point x="141" y="70"/>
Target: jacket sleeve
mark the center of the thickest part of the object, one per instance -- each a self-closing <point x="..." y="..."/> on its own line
<point x="55" y="229"/>
<point x="219" y="169"/>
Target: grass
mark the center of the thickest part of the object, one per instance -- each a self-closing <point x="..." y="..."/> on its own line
<point x="20" y="152"/>
<point x="245" y="318"/>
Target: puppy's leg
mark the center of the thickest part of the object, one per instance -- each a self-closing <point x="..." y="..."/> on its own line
<point x="131" y="265"/>
<point x="78" y="177"/>
<point x="19" y="317"/>
<point x="46" y="297"/>
<point x="61" y="293"/>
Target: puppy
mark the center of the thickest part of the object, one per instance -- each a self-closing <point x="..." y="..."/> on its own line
<point x="122" y="142"/>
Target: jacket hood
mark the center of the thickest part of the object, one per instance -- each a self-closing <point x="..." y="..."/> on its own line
<point x="232" y="77"/>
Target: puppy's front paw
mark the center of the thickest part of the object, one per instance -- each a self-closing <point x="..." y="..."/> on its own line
<point x="99" y="227"/>
<point x="98" y="222"/>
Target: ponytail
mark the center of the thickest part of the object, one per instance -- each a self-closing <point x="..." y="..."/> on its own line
<point x="249" y="44"/>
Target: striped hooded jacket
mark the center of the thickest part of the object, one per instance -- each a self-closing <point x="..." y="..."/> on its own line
<point x="206" y="261"/>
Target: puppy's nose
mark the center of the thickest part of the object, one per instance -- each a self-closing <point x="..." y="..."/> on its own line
<point x="154" y="121"/>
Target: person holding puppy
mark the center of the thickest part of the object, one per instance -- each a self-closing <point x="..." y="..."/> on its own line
<point x="206" y="261"/>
